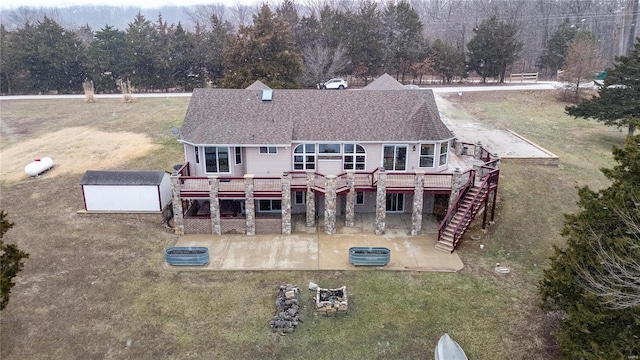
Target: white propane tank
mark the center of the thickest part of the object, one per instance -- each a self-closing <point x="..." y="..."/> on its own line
<point x="38" y="166"/>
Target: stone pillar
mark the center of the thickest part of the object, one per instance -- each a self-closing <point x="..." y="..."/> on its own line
<point x="457" y="147"/>
<point x="381" y="202"/>
<point x="286" y="203"/>
<point x="249" y="205"/>
<point x="311" y="198"/>
<point x="477" y="153"/>
<point x="351" y="199"/>
<point x="418" y="201"/>
<point x="214" y="205"/>
<point x="456" y="184"/>
<point x="176" y="204"/>
<point x="330" y="204"/>
<point x="478" y="170"/>
<point x="493" y="157"/>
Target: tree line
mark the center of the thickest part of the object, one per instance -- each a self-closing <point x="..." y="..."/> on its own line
<point x="279" y="46"/>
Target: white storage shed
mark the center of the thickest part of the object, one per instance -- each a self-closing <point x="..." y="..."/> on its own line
<point x="126" y="191"/>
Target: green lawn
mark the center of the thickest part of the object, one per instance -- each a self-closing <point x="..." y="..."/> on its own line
<point x="91" y="284"/>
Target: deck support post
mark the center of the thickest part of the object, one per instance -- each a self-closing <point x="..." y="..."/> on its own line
<point x="456" y="184"/>
<point x="176" y="204"/>
<point x="381" y="202"/>
<point x="214" y="205"/>
<point x="249" y="205"/>
<point x="477" y="152"/>
<point x="311" y="198"/>
<point x="286" y="203"/>
<point x="351" y="199"/>
<point x="418" y="203"/>
<point x="330" y="204"/>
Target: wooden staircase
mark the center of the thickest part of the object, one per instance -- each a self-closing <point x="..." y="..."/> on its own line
<point x="466" y="207"/>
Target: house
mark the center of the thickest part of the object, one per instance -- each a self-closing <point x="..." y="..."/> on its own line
<point x="254" y="156"/>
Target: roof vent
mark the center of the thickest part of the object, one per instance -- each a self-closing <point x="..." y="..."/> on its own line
<point x="267" y="95"/>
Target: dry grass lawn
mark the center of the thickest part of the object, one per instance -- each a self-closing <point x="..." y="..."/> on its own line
<point x="96" y="288"/>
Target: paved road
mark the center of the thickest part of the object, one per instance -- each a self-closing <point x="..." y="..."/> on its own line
<point x="541" y="85"/>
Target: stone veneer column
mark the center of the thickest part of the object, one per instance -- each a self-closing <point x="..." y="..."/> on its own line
<point x="330" y="204"/>
<point x="286" y="203"/>
<point x="418" y="202"/>
<point x="456" y="184"/>
<point x="381" y="202"/>
<point x="351" y="199"/>
<point x="477" y="153"/>
<point x="457" y="147"/>
<point x="249" y="205"/>
<point x="493" y="157"/>
<point x="176" y="204"/>
<point x="311" y="198"/>
<point x="214" y="205"/>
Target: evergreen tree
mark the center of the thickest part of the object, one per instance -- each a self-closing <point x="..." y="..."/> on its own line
<point x="403" y="41"/>
<point x="365" y="41"/>
<point x="493" y="47"/>
<point x="106" y="59"/>
<point x="52" y="57"/>
<point x="553" y="55"/>
<point x="141" y="53"/>
<point x="265" y="52"/>
<point x="10" y="261"/>
<point x="447" y="61"/>
<point x="618" y="99"/>
<point x="161" y="54"/>
<point x="215" y="47"/>
<point x="593" y="329"/>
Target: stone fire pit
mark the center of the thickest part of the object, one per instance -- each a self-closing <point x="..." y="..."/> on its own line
<point x="331" y="302"/>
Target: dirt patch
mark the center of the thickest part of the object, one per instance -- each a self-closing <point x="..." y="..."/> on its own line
<point x="74" y="150"/>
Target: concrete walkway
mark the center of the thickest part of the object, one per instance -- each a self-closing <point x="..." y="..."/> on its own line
<point x="311" y="249"/>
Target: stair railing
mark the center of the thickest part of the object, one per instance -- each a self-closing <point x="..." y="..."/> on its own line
<point x="456" y="203"/>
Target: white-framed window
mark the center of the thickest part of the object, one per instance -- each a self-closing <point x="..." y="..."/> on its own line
<point x="196" y="153"/>
<point x="300" y="197"/>
<point x="238" y="154"/>
<point x="329" y="149"/>
<point x="268" y="150"/>
<point x="304" y="157"/>
<point x="359" y="197"/>
<point x="354" y="157"/>
<point x="394" y="157"/>
<point x="427" y="154"/>
<point x="444" y="151"/>
<point x="216" y="159"/>
<point x="270" y="205"/>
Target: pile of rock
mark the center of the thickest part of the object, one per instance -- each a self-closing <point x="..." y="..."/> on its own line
<point x="331" y="301"/>
<point x="287" y="315"/>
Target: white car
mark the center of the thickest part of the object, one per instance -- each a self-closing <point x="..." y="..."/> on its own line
<point x="337" y="83"/>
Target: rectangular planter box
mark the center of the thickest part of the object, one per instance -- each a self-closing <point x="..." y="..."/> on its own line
<point x="369" y="256"/>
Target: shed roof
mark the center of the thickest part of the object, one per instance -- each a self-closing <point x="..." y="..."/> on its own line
<point x="103" y="177"/>
<point x="241" y="117"/>
<point x="384" y="82"/>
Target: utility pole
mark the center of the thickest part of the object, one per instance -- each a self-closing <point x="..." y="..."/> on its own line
<point x="632" y="31"/>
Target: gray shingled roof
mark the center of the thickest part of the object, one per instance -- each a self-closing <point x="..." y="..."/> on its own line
<point x="257" y="85"/>
<point x="384" y="82"/>
<point x="101" y="177"/>
<point x="229" y="116"/>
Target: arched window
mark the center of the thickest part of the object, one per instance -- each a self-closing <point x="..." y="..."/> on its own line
<point x="354" y="157"/>
<point x="304" y="157"/>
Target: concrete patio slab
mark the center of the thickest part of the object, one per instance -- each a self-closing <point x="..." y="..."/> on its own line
<point x="317" y="252"/>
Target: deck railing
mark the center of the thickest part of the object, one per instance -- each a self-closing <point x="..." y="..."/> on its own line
<point x="198" y="186"/>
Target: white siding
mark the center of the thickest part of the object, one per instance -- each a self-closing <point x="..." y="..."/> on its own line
<point x="121" y="198"/>
<point x="330" y="167"/>
<point x="268" y="164"/>
<point x="165" y="191"/>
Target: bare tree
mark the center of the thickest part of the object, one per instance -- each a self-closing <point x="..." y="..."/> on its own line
<point x="582" y="61"/>
<point x="618" y="279"/>
<point x="202" y="14"/>
<point x="321" y="63"/>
